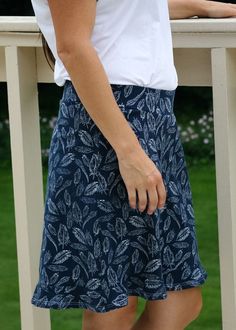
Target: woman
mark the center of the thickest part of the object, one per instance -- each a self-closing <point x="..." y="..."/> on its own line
<point x="119" y="221"/>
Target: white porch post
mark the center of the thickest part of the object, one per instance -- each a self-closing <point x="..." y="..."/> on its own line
<point x="27" y="177"/>
<point x="224" y="101"/>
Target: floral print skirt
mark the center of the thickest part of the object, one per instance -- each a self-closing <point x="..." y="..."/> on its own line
<point x="96" y="250"/>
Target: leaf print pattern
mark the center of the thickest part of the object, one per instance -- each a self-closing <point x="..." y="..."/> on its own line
<point x="96" y="250"/>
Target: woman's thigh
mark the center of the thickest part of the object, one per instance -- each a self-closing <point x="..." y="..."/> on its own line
<point x="119" y="318"/>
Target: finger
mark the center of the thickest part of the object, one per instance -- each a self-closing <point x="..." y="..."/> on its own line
<point x="161" y="190"/>
<point x="142" y="199"/>
<point x="153" y="199"/>
<point x="132" y="197"/>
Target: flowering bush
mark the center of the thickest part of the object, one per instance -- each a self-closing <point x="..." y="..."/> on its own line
<point x="46" y="127"/>
<point x="198" y="139"/>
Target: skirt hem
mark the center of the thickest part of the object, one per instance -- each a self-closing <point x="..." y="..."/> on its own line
<point x="109" y="307"/>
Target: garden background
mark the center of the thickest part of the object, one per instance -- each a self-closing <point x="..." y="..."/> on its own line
<point x="194" y="112"/>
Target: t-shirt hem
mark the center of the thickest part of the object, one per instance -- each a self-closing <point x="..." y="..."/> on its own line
<point x="61" y="83"/>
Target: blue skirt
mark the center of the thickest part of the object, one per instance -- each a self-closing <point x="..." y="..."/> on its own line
<point x="96" y="250"/>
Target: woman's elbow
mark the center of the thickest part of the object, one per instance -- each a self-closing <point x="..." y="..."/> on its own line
<point x="68" y="49"/>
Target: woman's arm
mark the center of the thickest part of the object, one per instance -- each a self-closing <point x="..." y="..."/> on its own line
<point x="202" y="8"/>
<point x="73" y="22"/>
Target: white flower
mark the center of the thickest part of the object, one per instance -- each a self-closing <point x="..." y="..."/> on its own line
<point x="206" y="141"/>
<point x="210" y="118"/>
<point x="200" y="121"/>
<point x="192" y="122"/>
<point x="190" y="129"/>
<point x="52" y="122"/>
<point x="203" y="130"/>
<point x="45" y="152"/>
<point x="194" y="136"/>
<point x="184" y="133"/>
<point x="209" y="135"/>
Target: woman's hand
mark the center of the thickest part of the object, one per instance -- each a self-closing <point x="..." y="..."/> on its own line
<point x="202" y="8"/>
<point x="140" y="173"/>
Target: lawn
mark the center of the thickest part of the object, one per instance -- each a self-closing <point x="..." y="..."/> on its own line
<point x="202" y="179"/>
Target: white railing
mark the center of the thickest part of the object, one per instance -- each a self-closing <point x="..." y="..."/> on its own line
<point x="205" y="55"/>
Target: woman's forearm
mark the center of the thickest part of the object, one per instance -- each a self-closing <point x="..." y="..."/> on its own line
<point x="201" y="8"/>
<point x="187" y="8"/>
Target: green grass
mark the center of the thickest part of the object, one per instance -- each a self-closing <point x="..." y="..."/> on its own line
<point x="202" y="179"/>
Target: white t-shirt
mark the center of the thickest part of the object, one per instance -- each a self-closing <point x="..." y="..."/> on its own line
<point x="131" y="37"/>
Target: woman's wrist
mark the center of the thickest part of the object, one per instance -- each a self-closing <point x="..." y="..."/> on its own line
<point x="125" y="148"/>
<point x="202" y="7"/>
<point x="187" y="8"/>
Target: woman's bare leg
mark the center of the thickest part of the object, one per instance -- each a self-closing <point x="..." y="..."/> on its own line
<point x="120" y="318"/>
<point x="173" y="313"/>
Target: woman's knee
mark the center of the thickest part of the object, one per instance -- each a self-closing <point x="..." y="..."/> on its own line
<point x="115" y="319"/>
<point x="179" y="309"/>
<point x="191" y="305"/>
<point x="197" y="305"/>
